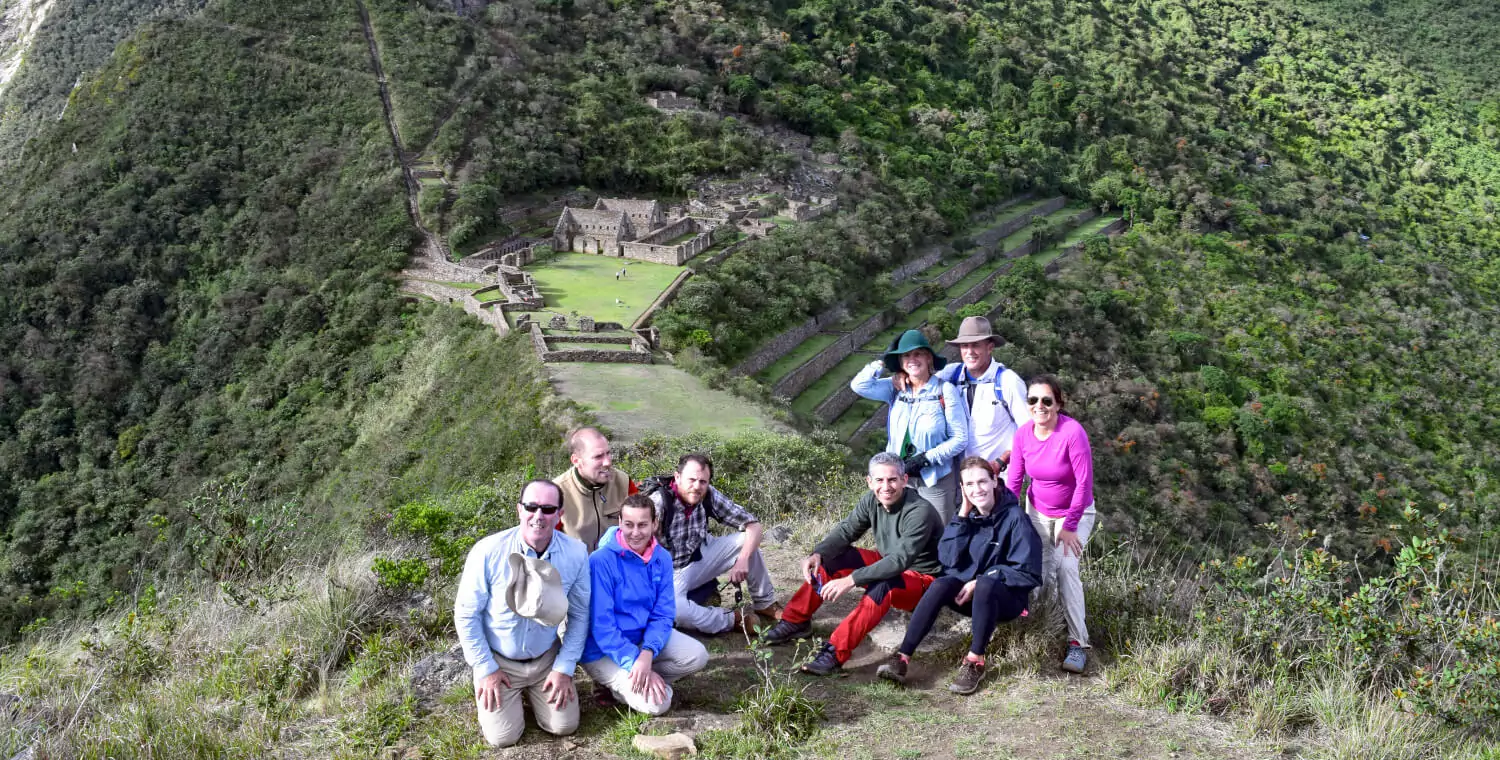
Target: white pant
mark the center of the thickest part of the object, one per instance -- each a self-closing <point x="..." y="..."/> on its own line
<point x="1060" y="573"/>
<point x="682" y="656"/>
<point x="503" y="727"/>
<point x="719" y="555"/>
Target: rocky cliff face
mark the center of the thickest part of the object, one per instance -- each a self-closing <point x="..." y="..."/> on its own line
<point x="18" y="28"/>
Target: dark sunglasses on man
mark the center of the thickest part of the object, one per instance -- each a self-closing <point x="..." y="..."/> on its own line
<point x="547" y="509"/>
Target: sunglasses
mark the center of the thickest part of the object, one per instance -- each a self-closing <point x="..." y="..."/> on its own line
<point x="547" y="509"/>
<point x="1045" y="401"/>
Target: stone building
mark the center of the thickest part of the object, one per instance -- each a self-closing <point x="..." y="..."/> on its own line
<point x="632" y="229"/>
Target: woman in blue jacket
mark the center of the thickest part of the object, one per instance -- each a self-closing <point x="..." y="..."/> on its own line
<point x="928" y="426"/>
<point x="632" y="650"/>
<point x="992" y="559"/>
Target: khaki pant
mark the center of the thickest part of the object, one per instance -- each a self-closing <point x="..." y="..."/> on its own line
<point x="1060" y="573"/>
<point x="503" y="727"/>
<point x="682" y="656"/>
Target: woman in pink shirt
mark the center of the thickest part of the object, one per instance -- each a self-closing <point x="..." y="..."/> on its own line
<point x="1053" y="450"/>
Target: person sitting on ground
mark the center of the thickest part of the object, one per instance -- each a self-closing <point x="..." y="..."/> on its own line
<point x="517" y="587"/>
<point x="1053" y="449"/>
<point x="992" y="559"/>
<point x="927" y="426"/>
<point x="684" y="502"/>
<point x="632" y="650"/>
<point x="592" y="488"/>
<point x="994" y="395"/>
<point x="906" y="530"/>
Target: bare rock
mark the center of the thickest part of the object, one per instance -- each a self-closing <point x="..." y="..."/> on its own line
<point x="669" y="747"/>
<point x="436" y="674"/>
<point x="690" y="722"/>
<point x="779" y="534"/>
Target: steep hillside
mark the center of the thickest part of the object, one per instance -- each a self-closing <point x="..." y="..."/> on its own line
<point x="1301" y="325"/>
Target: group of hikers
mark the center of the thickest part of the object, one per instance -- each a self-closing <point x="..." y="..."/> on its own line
<point x="609" y="573"/>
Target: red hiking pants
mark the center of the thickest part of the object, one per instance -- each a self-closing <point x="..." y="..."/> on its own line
<point x="902" y="592"/>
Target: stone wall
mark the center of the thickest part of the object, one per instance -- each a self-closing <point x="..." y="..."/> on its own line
<point x="674" y="255"/>
<point x="636" y="354"/>
<point x="983" y="287"/>
<point x="809" y="371"/>
<point x="719" y="257"/>
<point x="661" y="300"/>
<point x="487" y="312"/>
<point x="918" y="265"/>
<point x="661" y="235"/>
<point x="586" y="338"/>
<point x="996" y="234"/>
<point x="874" y="425"/>
<point x="781" y="345"/>
<point x="836" y="404"/>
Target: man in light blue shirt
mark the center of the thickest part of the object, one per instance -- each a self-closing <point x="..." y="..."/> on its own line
<point x="511" y="653"/>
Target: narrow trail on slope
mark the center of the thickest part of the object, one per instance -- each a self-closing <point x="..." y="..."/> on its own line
<point x="432" y="245"/>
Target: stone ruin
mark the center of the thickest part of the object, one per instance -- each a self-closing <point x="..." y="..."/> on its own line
<point x="558" y="322"/>
<point x="519" y="289"/>
<point x="669" y="102"/>
<point x="586" y="324"/>
<point x="633" y="229"/>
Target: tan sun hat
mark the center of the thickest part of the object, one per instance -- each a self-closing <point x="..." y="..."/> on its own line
<point x="973" y="330"/>
<point x="535" y="590"/>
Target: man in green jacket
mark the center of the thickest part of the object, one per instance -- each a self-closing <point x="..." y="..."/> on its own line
<point x="906" y="530"/>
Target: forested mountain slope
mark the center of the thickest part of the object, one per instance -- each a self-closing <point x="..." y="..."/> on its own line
<point x="1301" y="325"/>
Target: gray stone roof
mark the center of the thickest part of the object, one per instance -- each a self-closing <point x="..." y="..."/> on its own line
<point x="631" y="207"/>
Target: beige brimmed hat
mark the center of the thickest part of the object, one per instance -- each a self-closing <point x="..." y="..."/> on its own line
<point x="535" y="590"/>
<point x="973" y="330"/>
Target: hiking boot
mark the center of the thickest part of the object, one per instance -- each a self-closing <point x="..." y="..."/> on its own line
<point x="826" y="663"/>
<point x="893" y="670"/>
<point x="970" y="673"/>
<point x="785" y="631"/>
<point x="769" y="613"/>
<point x="1077" y="659"/>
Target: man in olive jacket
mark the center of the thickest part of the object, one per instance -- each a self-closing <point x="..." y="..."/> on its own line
<point x="906" y="530"/>
<point x="592" y="489"/>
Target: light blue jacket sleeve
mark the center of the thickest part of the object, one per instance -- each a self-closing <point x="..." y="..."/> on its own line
<point x="664" y="612"/>
<point x="958" y="427"/>
<point x="604" y="627"/>
<point x="871" y="385"/>
<point x="578" y="623"/>
<point x="469" y="607"/>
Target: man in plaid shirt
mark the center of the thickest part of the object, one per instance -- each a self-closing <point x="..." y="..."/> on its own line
<point x="684" y="502"/>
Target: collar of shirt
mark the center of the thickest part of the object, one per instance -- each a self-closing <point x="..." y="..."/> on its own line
<point x="645" y="556"/>
<point x="988" y="376"/>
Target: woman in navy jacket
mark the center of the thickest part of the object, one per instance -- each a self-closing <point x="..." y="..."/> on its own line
<point x="992" y="559"/>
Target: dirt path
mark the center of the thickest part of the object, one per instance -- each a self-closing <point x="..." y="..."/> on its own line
<point x="432" y="245"/>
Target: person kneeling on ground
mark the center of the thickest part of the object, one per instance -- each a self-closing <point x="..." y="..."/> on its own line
<point x="906" y="529"/>
<point x="684" y="502"/>
<point x="632" y="649"/>
<point x="992" y="559"/>
<point x="517" y="587"/>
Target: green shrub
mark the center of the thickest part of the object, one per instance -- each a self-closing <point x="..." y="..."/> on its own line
<point x="400" y="574"/>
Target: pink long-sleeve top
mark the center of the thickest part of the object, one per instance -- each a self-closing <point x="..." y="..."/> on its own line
<point x="1061" y="470"/>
